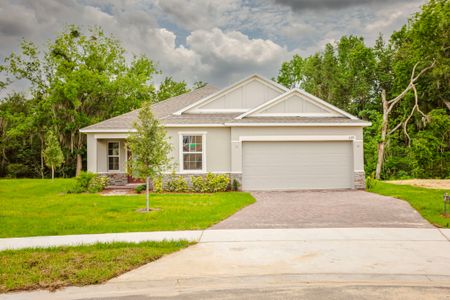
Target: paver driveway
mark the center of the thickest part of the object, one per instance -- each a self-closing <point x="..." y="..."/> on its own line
<point x="324" y="209"/>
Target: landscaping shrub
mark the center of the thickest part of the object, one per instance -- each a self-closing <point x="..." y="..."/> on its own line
<point x="177" y="184"/>
<point x="140" y="188"/>
<point x="211" y="183"/>
<point x="217" y="183"/>
<point x="371" y="181"/>
<point x="158" y="185"/>
<point x="198" y="184"/>
<point x="89" y="182"/>
<point x="235" y="185"/>
<point x="97" y="184"/>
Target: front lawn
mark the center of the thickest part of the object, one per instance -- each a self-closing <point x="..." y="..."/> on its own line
<point x="51" y="268"/>
<point x="428" y="202"/>
<point x="33" y="207"/>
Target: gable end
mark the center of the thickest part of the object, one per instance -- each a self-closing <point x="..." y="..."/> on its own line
<point x="296" y="103"/>
<point x="237" y="98"/>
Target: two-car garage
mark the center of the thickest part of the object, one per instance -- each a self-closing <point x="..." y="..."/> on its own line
<point x="294" y="165"/>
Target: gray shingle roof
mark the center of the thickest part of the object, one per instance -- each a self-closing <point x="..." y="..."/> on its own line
<point x="160" y="110"/>
<point x="164" y="112"/>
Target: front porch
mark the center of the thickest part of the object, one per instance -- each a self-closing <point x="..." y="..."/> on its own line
<point x="108" y="155"/>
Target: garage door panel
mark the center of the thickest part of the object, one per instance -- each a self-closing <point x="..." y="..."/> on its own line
<point x="297" y="165"/>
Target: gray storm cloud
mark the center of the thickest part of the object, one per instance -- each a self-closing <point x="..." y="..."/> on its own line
<point x="298" y="5"/>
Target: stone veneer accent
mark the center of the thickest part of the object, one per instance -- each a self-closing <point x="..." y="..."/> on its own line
<point x="116" y="179"/>
<point x="188" y="176"/>
<point x="359" y="180"/>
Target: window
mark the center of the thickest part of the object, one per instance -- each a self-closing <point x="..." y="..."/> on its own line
<point x="192" y="153"/>
<point x="113" y="156"/>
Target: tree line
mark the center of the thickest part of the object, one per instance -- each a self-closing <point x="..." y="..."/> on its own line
<point x="401" y="85"/>
<point x="81" y="78"/>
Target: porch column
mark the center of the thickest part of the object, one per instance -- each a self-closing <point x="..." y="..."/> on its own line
<point x="91" y="153"/>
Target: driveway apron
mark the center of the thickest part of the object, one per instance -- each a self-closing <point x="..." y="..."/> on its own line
<point x="324" y="209"/>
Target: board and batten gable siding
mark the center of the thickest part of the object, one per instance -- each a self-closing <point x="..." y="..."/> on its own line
<point x="245" y="97"/>
<point x="294" y="104"/>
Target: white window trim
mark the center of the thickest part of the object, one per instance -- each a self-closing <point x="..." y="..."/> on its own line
<point x="180" y="152"/>
<point x="108" y="156"/>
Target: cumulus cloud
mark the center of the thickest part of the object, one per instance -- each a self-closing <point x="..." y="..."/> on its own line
<point x="205" y="14"/>
<point x="213" y="41"/>
<point x="231" y="55"/>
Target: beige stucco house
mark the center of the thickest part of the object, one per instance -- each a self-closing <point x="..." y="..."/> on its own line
<point x="264" y="135"/>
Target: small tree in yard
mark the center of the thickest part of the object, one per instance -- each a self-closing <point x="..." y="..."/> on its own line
<point x="149" y="148"/>
<point x="53" y="154"/>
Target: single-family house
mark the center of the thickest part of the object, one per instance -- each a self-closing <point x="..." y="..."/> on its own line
<point x="264" y="135"/>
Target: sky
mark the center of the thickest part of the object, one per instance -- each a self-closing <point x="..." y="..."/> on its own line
<point x="216" y="41"/>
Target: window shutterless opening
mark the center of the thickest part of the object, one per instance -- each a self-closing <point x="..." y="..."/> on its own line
<point x="192" y="152"/>
<point x="113" y="156"/>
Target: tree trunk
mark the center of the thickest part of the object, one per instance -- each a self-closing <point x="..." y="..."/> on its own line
<point x="79" y="164"/>
<point x="388" y="106"/>
<point x="382" y="143"/>
<point x="53" y="172"/>
<point x="79" y="158"/>
<point x="42" y="156"/>
<point x="147" y="184"/>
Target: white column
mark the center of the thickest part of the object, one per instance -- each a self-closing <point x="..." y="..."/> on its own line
<point x="91" y="153"/>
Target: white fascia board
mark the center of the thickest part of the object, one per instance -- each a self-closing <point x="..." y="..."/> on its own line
<point x="270" y="82"/>
<point x="107" y="130"/>
<point x="221" y="110"/>
<point x="365" y="124"/>
<point x="193" y="125"/>
<point x="306" y="115"/>
<point x="230" y="88"/>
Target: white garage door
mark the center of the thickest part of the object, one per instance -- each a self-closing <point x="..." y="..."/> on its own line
<point x="297" y="165"/>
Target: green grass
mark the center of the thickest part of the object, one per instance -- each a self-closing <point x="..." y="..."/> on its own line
<point x="33" y="207"/>
<point x="428" y="202"/>
<point x="51" y="268"/>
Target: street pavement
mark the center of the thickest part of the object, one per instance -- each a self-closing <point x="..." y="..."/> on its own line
<point x="320" y="263"/>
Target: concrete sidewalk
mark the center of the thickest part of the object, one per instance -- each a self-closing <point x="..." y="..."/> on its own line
<point x="85" y="239"/>
<point x="407" y="263"/>
<point x="234" y="235"/>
